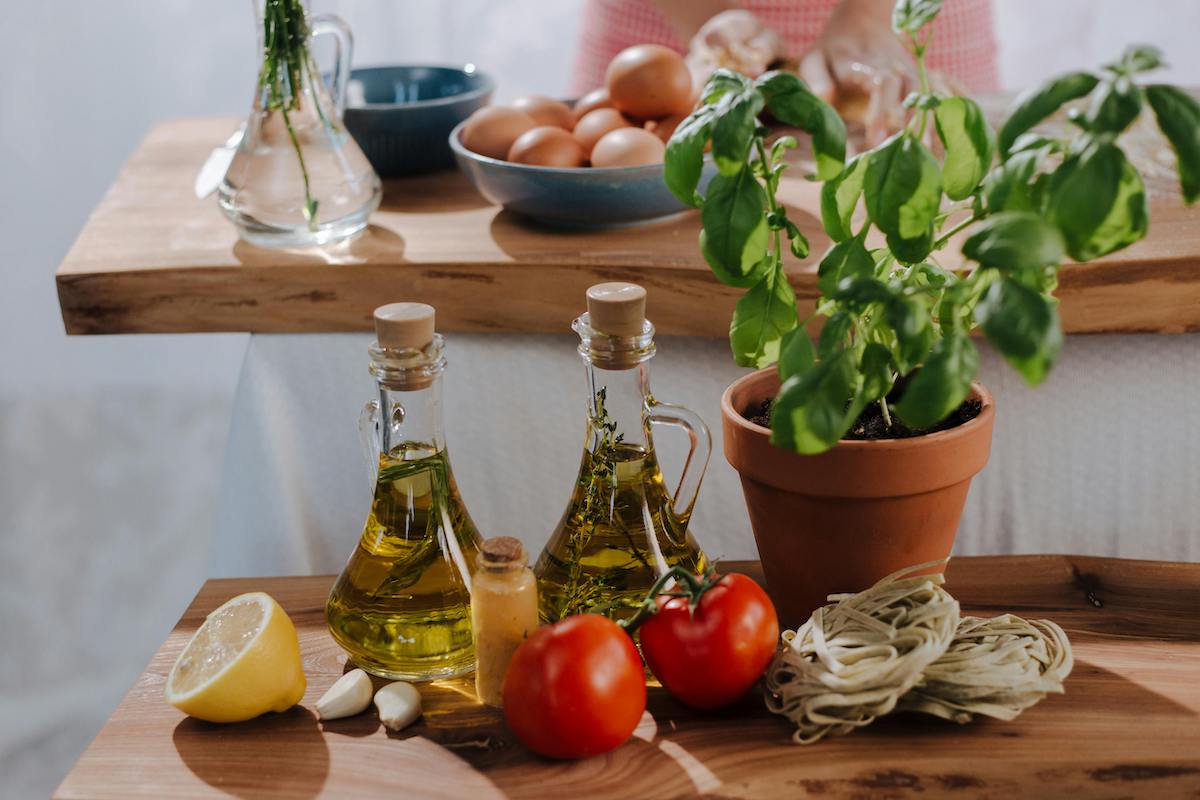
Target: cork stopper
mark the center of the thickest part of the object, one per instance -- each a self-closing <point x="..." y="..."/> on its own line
<point x="404" y="325"/>
<point x="617" y="309"/>
<point x="502" y="550"/>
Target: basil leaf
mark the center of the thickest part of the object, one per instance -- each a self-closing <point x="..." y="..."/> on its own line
<point x="796" y="353"/>
<point x="859" y="292"/>
<point x="970" y="145"/>
<point x="839" y="197"/>
<point x="914" y="250"/>
<point x="1115" y="106"/>
<point x="733" y="132"/>
<point x="798" y="242"/>
<point x="1098" y="202"/>
<point x="761" y="318"/>
<point x="723" y="81"/>
<point x="941" y="384"/>
<point x="903" y="189"/>
<point x="843" y="260"/>
<point x="909" y="319"/>
<point x="1178" y="115"/>
<point x="1014" y="241"/>
<point x="834" y="334"/>
<point x="932" y="275"/>
<point x="1137" y="58"/>
<point x="791" y="102"/>
<point x="1023" y="325"/>
<point x="1036" y="104"/>
<point x="1007" y="187"/>
<point x="876" y="370"/>
<point x="734" y="239"/>
<point x="810" y="412"/>
<point x="909" y="16"/>
<point x="685" y="155"/>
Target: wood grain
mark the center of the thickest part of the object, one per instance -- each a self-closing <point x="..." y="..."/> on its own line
<point x="1129" y="724"/>
<point x="154" y="259"/>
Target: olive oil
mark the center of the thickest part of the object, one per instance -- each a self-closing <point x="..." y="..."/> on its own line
<point x="618" y="535"/>
<point x="402" y="607"/>
<point x="622" y="528"/>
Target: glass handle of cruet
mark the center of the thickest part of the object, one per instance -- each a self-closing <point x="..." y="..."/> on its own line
<point x="368" y="436"/>
<point x="343" y="54"/>
<point x="700" y="448"/>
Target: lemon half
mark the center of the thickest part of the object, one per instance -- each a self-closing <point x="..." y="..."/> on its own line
<point x="242" y="662"/>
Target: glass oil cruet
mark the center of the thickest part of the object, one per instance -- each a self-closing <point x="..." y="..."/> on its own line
<point x="402" y="606"/>
<point x="298" y="178"/>
<point x="623" y="527"/>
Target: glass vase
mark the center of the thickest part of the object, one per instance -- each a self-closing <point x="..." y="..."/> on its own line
<point x="298" y="178"/>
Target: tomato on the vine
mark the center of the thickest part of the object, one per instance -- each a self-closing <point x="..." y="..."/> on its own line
<point x="710" y="655"/>
<point x="575" y="688"/>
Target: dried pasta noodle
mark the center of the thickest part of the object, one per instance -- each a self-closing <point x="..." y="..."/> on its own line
<point x="997" y="667"/>
<point x="853" y="660"/>
<point x="900" y="645"/>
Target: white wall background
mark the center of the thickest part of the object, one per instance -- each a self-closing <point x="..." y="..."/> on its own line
<point x="110" y="447"/>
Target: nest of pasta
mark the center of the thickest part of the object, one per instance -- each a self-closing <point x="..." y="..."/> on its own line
<point x="901" y="644"/>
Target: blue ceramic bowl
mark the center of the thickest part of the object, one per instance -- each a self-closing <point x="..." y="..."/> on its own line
<point x="401" y="116"/>
<point x="583" y="197"/>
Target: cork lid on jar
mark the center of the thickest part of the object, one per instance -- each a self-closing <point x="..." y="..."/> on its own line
<point x="502" y="550"/>
<point x="404" y="325"/>
<point x="617" y="309"/>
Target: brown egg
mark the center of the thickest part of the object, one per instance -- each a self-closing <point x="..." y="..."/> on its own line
<point x="491" y="130"/>
<point x="628" y="147"/>
<point x="546" y="111"/>
<point x="596" y="98"/>
<point x="595" y="124"/>
<point x="649" y="81"/>
<point x="547" y="146"/>
<point x="663" y="128"/>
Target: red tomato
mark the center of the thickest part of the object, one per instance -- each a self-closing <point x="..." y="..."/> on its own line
<point x="575" y="688"/>
<point x="713" y="656"/>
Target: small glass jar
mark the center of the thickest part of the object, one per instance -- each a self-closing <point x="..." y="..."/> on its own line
<point x="503" y="612"/>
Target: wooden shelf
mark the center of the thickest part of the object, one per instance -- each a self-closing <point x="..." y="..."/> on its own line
<point x="154" y="259"/>
<point x="1126" y="726"/>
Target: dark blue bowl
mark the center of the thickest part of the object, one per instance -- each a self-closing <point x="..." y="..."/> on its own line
<point x="401" y="116"/>
<point x="582" y="197"/>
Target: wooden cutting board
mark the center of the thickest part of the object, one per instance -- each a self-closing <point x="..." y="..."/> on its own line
<point x="154" y="259"/>
<point x="1128" y="725"/>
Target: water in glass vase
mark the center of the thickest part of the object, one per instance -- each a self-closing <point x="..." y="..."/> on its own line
<point x="264" y="190"/>
<point x="401" y="607"/>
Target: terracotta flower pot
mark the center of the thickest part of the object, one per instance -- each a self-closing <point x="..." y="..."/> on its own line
<point x="841" y="520"/>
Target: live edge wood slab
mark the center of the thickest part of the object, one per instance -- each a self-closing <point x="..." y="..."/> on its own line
<point x="1128" y="725"/>
<point x="155" y="259"/>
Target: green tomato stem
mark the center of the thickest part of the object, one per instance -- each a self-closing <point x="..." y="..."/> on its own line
<point x="691" y="587"/>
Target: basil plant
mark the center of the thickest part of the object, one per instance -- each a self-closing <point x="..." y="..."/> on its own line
<point x="1027" y="201"/>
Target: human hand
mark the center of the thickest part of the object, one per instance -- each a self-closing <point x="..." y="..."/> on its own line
<point x="735" y="39"/>
<point x="860" y="66"/>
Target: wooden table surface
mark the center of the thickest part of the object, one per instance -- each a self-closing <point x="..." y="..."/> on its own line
<point x="1128" y="725"/>
<point x="154" y="259"/>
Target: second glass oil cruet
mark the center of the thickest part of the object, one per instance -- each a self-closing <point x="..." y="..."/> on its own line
<point x="401" y="607"/>
<point x="623" y="527"/>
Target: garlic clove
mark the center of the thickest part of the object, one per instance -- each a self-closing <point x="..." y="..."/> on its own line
<point x="350" y="695"/>
<point x="399" y="705"/>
